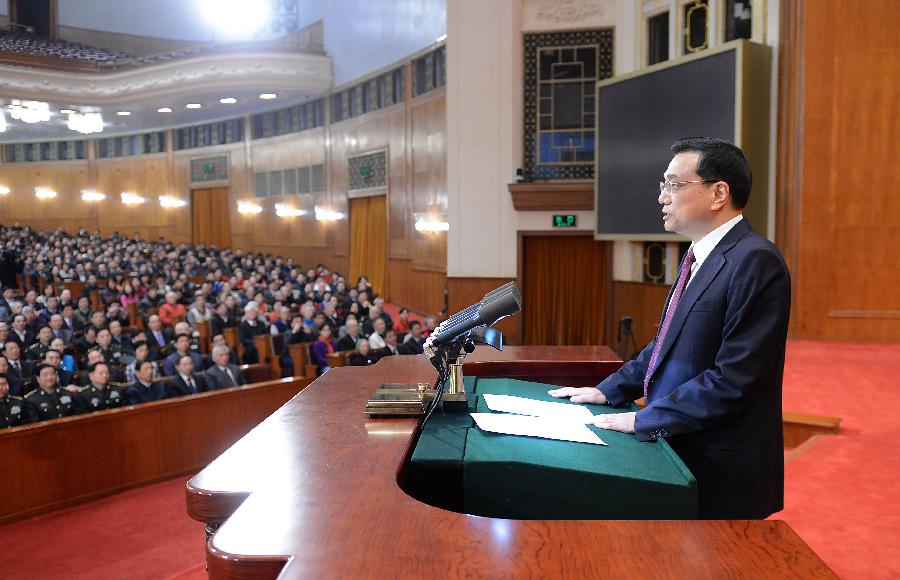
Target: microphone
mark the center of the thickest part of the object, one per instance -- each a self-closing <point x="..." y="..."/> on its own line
<point x="496" y="305"/>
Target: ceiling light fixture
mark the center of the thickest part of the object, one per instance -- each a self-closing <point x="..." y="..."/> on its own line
<point x="326" y="215"/>
<point x="4" y="190"/>
<point x="169" y="201"/>
<point x="129" y="198"/>
<point x="248" y="207"/>
<point x="86" y="123"/>
<point x="233" y="20"/>
<point x="193" y="106"/>
<point x="123" y="113"/>
<point x="66" y="111"/>
<point x="228" y="101"/>
<point x="429" y="225"/>
<point x="44" y="193"/>
<point x="268" y="96"/>
<point x="164" y="110"/>
<point x="284" y="210"/>
<point x="29" y="111"/>
<point x="91" y="195"/>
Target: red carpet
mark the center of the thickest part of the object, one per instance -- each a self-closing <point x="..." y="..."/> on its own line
<point x="142" y="533"/>
<point x="841" y="492"/>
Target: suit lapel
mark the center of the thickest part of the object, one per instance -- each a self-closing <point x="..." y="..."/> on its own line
<point x="701" y="281"/>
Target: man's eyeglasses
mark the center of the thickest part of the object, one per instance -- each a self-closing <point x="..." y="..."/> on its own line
<point x="671" y="187"/>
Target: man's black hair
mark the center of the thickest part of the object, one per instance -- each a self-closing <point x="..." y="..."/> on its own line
<point x="720" y="161"/>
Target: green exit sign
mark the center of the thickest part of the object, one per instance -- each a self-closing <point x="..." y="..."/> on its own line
<point x="564" y="221"/>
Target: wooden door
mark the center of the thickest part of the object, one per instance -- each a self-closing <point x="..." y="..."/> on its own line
<point x="564" y="290"/>
<point x="368" y="241"/>
<point x="210" y="216"/>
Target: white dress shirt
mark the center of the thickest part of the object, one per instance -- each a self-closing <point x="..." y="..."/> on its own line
<point x="705" y="245"/>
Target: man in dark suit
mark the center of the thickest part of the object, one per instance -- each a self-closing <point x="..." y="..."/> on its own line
<point x="184" y="382"/>
<point x="20" y="371"/>
<point x="223" y="374"/>
<point x="158" y="337"/>
<point x="712" y="376"/>
<point x="144" y="389"/>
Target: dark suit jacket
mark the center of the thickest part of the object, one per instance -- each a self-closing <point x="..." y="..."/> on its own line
<point x="347" y="343"/>
<point x="715" y="394"/>
<point x="178" y="388"/>
<point x="137" y="393"/>
<point x="216" y="379"/>
<point x="19" y="382"/>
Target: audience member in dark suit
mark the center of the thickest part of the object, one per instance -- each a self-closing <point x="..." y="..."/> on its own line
<point x="20" y="371"/>
<point x="223" y="374"/>
<point x="219" y="340"/>
<point x="59" y="329"/>
<point x="20" y="332"/>
<point x="184" y="382"/>
<point x="54" y="358"/>
<point x="352" y="336"/>
<point x="158" y="337"/>
<point x="182" y="348"/>
<point x="251" y="326"/>
<point x="363" y="355"/>
<point x="220" y="320"/>
<point x="712" y="376"/>
<point x="323" y="346"/>
<point x="390" y="347"/>
<point x="414" y="343"/>
<point x="95" y="356"/>
<point x="144" y="389"/>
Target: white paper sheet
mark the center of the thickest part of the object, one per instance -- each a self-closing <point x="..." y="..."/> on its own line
<point x="546" y="428"/>
<point x="547" y="409"/>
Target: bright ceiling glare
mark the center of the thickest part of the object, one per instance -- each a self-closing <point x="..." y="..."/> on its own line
<point x="123" y="113"/>
<point x="86" y="123"/>
<point x="91" y="195"/>
<point x="193" y="106"/>
<point x="3" y="125"/>
<point x="228" y="101"/>
<point x="164" y="110"/>
<point x="29" y="111"/>
<point x="268" y="96"/>
<point x="236" y="19"/>
<point x="66" y="111"/>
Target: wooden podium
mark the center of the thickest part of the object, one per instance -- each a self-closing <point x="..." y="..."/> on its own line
<point x="316" y="491"/>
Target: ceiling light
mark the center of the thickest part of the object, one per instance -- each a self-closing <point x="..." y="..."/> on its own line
<point x="248" y="207"/>
<point x="284" y="210"/>
<point x="91" y="195"/>
<point x="431" y="225"/>
<point x="228" y="101"/>
<point x="327" y="215"/>
<point x="164" y="110"/>
<point x="169" y="201"/>
<point x="268" y="96"/>
<point x="4" y="190"/>
<point x="193" y="106"/>
<point x="441" y="38"/>
<point x="66" y="111"/>
<point x="123" y="113"/>
<point x="44" y="193"/>
<point x="29" y="111"/>
<point x="86" y="122"/>
<point x="129" y="198"/>
<point x="3" y="124"/>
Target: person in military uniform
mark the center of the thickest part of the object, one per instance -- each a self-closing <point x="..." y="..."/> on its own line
<point x="48" y="401"/>
<point x="99" y="394"/>
<point x="54" y="358"/>
<point x="39" y="348"/>
<point x="111" y="351"/>
<point x="12" y="409"/>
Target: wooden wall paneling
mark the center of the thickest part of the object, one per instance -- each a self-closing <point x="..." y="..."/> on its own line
<point x="465" y="291"/>
<point x="641" y="302"/>
<point x="429" y="176"/>
<point x="849" y="100"/>
<point x="66" y="211"/>
<point x="419" y="290"/>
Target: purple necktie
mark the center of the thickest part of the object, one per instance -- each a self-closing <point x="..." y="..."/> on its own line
<point x="683" y="278"/>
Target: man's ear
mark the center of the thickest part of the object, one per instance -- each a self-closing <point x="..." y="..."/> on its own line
<point x="721" y="195"/>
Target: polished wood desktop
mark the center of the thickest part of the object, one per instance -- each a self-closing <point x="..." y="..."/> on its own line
<point x="316" y="490"/>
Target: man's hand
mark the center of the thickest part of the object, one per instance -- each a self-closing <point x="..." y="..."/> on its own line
<point x="580" y="395"/>
<point x="623" y="422"/>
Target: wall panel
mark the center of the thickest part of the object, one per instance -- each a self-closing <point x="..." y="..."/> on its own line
<point x="463" y="292"/>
